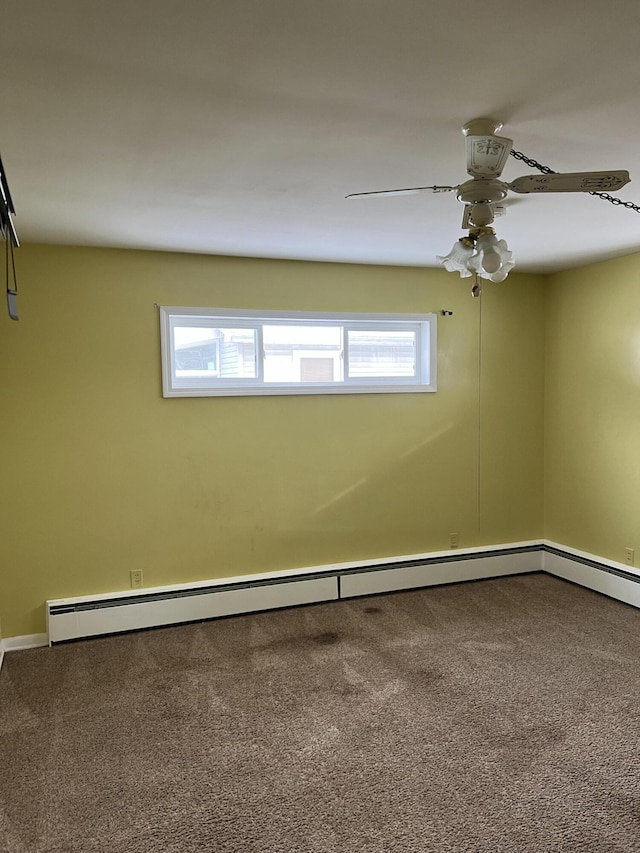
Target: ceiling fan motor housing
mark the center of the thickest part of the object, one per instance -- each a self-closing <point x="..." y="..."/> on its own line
<point x="479" y="191"/>
<point x="482" y="127"/>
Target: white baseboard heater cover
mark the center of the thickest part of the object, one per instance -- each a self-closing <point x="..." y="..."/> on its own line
<point x="91" y="616"/>
<point x="612" y="579"/>
<point x="73" y="620"/>
<point x="469" y="568"/>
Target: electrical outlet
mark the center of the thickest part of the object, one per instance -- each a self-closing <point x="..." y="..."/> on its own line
<point x="136" y="577"/>
<point x="630" y="556"/>
<point x="454" y="540"/>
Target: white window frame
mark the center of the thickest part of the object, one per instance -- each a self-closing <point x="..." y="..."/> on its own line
<point x="424" y="325"/>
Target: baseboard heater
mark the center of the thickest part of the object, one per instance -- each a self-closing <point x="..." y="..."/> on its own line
<point x="605" y="576"/>
<point x="97" y="615"/>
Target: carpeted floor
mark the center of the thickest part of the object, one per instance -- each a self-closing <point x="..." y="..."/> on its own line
<point x="497" y="716"/>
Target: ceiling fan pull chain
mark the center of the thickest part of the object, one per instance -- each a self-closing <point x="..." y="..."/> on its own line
<point x="547" y="171"/>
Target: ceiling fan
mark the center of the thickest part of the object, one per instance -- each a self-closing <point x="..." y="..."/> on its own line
<point x="481" y="253"/>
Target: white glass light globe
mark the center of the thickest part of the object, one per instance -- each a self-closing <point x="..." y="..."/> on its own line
<point x="458" y="258"/>
<point x="491" y="261"/>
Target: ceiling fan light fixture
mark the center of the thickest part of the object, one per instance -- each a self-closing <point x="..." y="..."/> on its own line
<point x="459" y="257"/>
<point x="481" y="254"/>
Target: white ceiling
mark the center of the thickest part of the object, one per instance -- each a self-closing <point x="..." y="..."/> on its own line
<point x="238" y="126"/>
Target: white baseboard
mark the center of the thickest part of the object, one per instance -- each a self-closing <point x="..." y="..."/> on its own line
<point x="26" y="641"/>
<point x="17" y="644"/>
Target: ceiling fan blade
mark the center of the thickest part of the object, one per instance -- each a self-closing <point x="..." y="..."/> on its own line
<point x="409" y="191"/>
<point x="571" y="182"/>
<point x="486" y="155"/>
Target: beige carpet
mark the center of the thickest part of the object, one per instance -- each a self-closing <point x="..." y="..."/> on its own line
<point x="501" y="715"/>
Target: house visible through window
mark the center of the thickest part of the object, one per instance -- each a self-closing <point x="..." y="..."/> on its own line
<point x="209" y="352"/>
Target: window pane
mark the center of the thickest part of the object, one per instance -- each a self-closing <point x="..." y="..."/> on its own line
<point x="380" y="353"/>
<point x="223" y="352"/>
<point x="302" y="353"/>
<point x="202" y="351"/>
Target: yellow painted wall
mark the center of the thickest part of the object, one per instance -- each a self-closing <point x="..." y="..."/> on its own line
<point x="511" y="411"/>
<point x="592" y="408"/>
<point x="101" y="475"/>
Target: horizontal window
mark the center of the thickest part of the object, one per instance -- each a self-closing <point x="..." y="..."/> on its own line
<point x="210" y="351"/>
